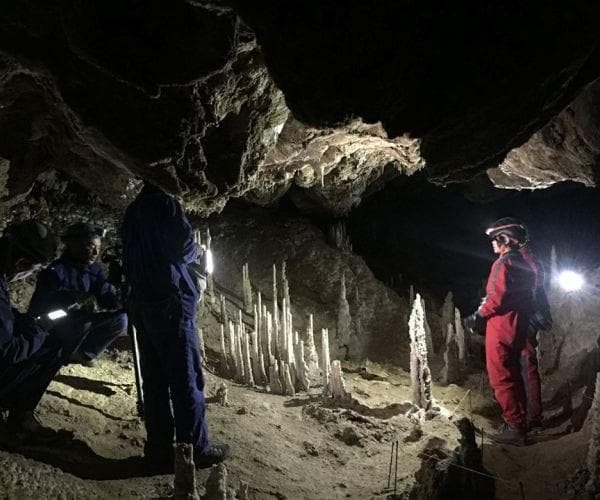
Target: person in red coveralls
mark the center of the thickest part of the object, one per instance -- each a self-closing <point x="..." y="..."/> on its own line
<point x="507" y="309"/>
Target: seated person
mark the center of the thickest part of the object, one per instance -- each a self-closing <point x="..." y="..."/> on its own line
<point x="29" y="357"/>
<point x="72" y="283"/>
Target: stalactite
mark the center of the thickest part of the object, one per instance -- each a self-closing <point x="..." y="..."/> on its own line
<point x="451" y="369"/>
<point x="326" y="363"/>
<point x="419" y="368"/>
<point x="337" y="386"/>
<point x="339" y="238"/>
<point x="593" y="457"/>
<point x="246" y="289"/>
<point x="223" y="350"/>
<point x="461" y="339"/>
<point x="428" y="336"/>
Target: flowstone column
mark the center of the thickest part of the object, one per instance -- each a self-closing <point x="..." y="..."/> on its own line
<point x="593" y="458"/>
<point x="420" y="375"/>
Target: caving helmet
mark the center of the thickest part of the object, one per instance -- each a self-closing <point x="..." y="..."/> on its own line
<point x="34" y="240"/>
<point x="512" y="228"/>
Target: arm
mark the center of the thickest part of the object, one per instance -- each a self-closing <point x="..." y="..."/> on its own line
<point x="496" y="297"/>
<point x="104" y="291"/>
<point x="179" y="237"/>
<point x="48" y="294"/>
<point x="19" y="336"/>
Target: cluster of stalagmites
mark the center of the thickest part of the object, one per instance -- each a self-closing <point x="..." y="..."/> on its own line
<point x="270" y="353"/>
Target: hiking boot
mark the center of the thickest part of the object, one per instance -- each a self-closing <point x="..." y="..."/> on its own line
<point x="25" y="427"/>
<point x="535" y="427"/>
<point x="507" y="434"/>
<point x="81" y="359"/>
<point x="214" y="455"/>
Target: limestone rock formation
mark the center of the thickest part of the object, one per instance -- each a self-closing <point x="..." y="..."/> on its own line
<point x="593" y="459"/>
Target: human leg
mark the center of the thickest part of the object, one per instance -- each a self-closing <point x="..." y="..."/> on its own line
<point x="529" y="356"/>
<point x="104" y="328"/>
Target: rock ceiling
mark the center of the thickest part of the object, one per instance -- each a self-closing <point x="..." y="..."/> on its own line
<point x="255" y="99"/>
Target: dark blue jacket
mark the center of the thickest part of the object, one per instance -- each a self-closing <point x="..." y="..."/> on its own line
<point x="20" y="338"/>
<point x="158" y="245"/>
<point x="62" y="283"/>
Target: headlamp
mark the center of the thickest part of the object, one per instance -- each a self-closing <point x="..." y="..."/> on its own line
<point x="570" y="281"/>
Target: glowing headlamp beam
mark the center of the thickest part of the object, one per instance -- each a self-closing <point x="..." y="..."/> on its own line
<point x="59" y="313"/>
<point x="570" y="281"/>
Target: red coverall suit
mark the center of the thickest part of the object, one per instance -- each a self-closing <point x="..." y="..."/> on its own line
<point x="507" y="308"/>
<point x="529" y="353"/>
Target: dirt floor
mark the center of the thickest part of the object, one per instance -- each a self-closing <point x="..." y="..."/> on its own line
<point x="283" y="447"/>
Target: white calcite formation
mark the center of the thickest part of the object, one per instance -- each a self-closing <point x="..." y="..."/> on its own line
<point x="184" y="483"/>
<point x="461" y="339"/>
<point x="420" y="375"/>
<point x="246" y="289"/>
<point x="337" y="386"/>
<point x="344" y="320"/>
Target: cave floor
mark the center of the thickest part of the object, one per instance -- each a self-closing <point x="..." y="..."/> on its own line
<point x="283" y="447"/>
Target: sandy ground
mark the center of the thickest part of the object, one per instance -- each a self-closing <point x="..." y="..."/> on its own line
<point x="283" y="447"/>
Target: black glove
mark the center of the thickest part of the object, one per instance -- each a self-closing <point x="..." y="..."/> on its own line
<point x="475" y="323"/>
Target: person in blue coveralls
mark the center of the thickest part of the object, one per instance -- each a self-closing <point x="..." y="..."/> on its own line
<point x="158" y="246"/>
<point x="29" y="356"/>
<point x="75" y="283"/>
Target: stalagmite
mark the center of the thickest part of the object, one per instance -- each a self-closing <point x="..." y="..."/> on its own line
<point x="283" y="337"/>
<point x="411" y="295"/>
<point x="428" y="337"/>
<point x="259" y="320"/>
<point x="246" y="289"/>
<point x="593" y="458"/>
<point x="275" y="312"/>
<point x="268" y="349"/>
<point x="239" y="331"/>
<point x="223" y="309"/>
<point x="419" y="368"/>
<point x="256" y="364"/>
<point x="274" y="381"/>
<point x="325" y="362"/>
<point x="344" y="321"/>
<point x="185" y="473"/>
<point x="461" y="338"/>
<point x="223" y="350"/>
<point x="447" y="313"/>
<point x="248" y="373"/>
<point x="201" y="345"/>
<point x="216" y="484"/>
<point x="451" y="369"/>
<point x="287" y="380"/>
<point x="302" y="377"/>
<point x="285" y="283"/>
<point x="337" y="386"/>
<point x="221" y="394"/>
<point x="233" y="351"/>
<point x="312" y="358"/>
<point x="262" y="370"/>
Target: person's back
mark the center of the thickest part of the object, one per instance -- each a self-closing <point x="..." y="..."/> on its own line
<point x="158" y="245"/>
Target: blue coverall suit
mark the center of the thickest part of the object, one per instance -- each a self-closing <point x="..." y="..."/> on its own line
<point x="29" y="357"/>
<point x="89" y="333"/>
<point x="157" y="248"/>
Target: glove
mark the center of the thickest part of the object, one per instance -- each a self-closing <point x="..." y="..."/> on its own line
<point x="475" y="323"/>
